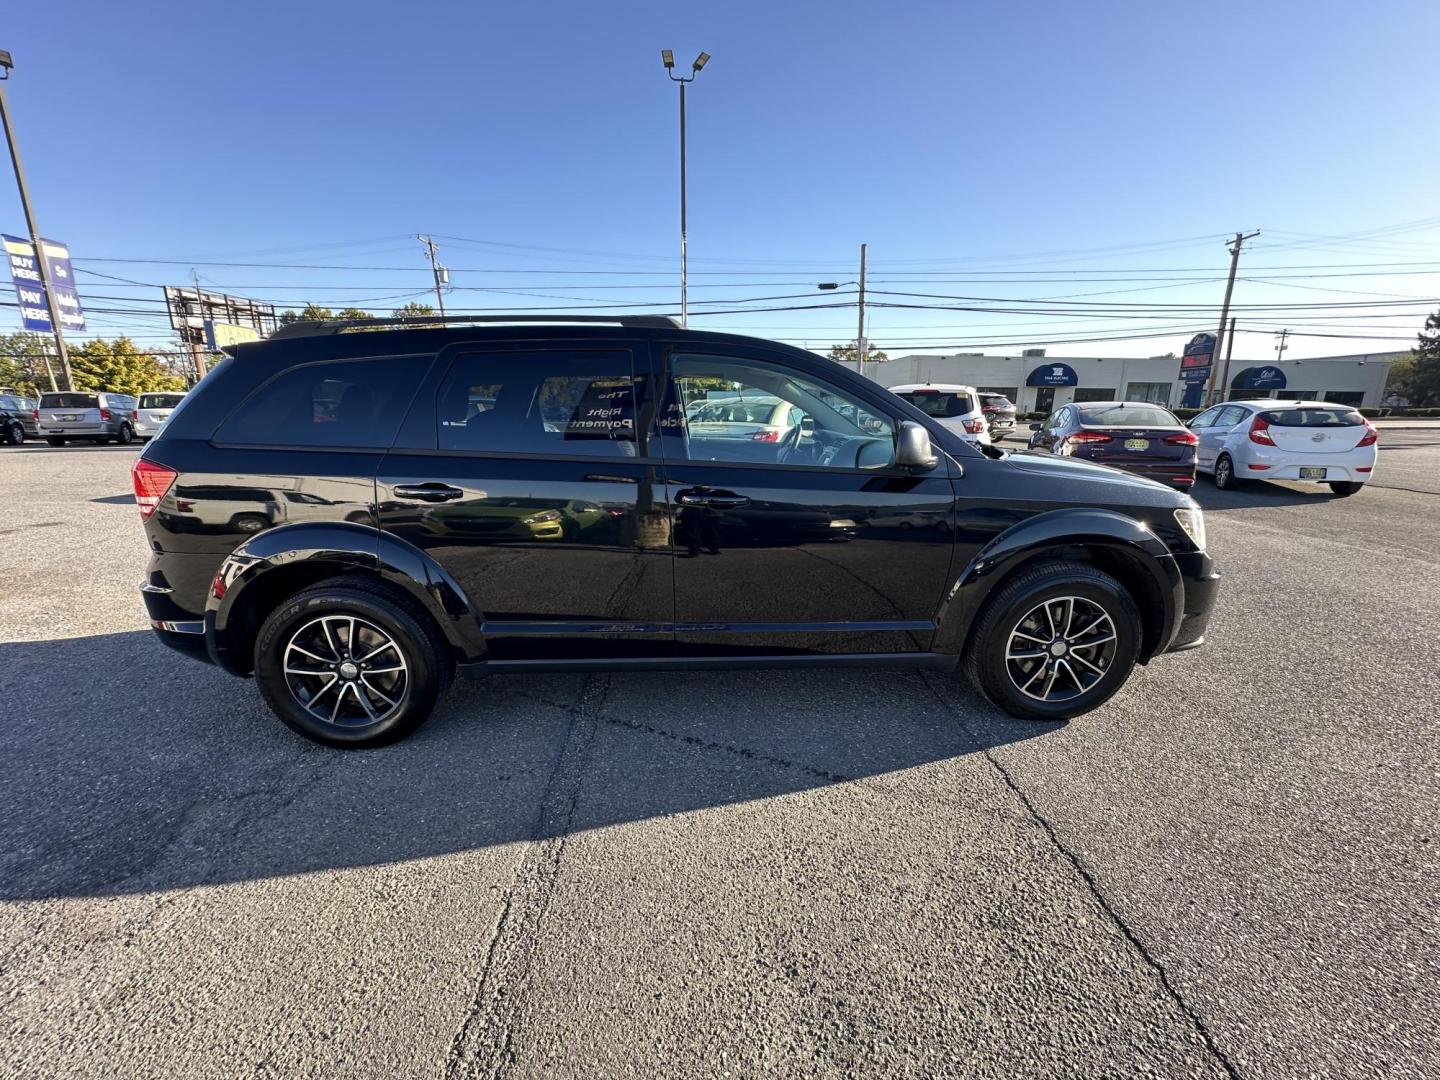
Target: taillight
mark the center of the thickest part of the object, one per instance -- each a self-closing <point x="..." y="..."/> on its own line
<point x="104" y="414"/>
<point x="1368" y="439"/>
<point x="1088" y="437"/>
<point x="1260" y="431"/>
<point x="151" y="482"/>
<point x="35" y="414"/>
<point x="1184" y="438"/>
<point x="134" y="414"/>
<point x="975" y="427"/>
<point x="765" y="436"/>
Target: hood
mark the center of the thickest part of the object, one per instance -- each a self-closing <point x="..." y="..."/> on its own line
<point x="1100" y="480"/>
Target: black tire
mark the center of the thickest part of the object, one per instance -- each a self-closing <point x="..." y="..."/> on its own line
<point x="126" y="435"/>
<point x="12" y="434"/>
<point x="54" y="440"/>
<point x="1342" y="488"/>
<point x="249" y="523"/>
<point x="985" y="663"/>
<point x="424" y="650"/>
<point x="1224" y="474"/>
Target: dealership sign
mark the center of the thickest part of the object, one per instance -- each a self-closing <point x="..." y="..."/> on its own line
<point x="24" y="271"/>
<point x="1053" y="375"/>
<point x="1199" y="356"/>
<point x="1268" y="377"/>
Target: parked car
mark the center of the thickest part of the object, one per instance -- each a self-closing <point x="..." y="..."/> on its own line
<point x="152" y="410"/>
<point x="99" y="417"/>
<point x="1315" y="441"/>
<point x="17" y="419"/>
<point x="957" y="408"/>
<point x="999" y="412"/>
<point x="1136" y="436"/>
<point x="1044" y="580"/>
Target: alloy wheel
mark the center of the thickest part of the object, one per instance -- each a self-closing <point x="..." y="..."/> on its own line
<point x="1060" y="649"/>
<point x="346" y="671"/>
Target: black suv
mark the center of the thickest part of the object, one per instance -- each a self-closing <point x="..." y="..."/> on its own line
<point x="557" y="496"/>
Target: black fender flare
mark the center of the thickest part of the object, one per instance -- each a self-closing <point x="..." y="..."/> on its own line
<point x="1113" y="535"/>
<point x="345" y="546"/>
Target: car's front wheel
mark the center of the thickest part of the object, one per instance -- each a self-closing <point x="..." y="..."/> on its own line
<point x="350" y="663"/>
<point x="1345" y="487"/>
<point x="1054" y="642"/>
<point x="12" y="434"/>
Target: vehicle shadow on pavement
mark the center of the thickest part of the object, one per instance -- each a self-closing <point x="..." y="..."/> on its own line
<point x="129" y="768"/>
<point x="1259" y="494"/>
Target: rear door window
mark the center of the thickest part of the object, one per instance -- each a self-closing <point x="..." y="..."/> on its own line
<point x="564" y="403"/>
<point x="351" y="404"/>
<point x="1231" y="415"/>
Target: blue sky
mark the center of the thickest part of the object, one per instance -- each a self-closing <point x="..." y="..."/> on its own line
<point x="1017" y="151"/>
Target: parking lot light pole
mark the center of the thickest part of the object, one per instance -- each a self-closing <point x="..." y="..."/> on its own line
<point x="668" y="58"/>
<point x="859" y="337"/>
<point x="5" y="65"/>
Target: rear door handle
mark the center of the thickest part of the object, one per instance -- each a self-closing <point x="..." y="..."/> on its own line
<point x="431" y="492"/>
<point x="716" y="500"/>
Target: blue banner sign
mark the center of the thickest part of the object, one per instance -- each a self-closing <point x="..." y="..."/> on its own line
<point x="1268" y="377"/>
<point x="1053" y="375"/>
<point x="34" y="314"/>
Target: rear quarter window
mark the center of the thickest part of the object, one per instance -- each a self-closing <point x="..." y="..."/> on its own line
<point x="356" y="404"/>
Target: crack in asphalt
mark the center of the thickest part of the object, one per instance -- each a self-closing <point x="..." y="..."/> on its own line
<point x="1093" y="886"/>
<point x="730" y="748"/>
<point x="482" y="1045"/>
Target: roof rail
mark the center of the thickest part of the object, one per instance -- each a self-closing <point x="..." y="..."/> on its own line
<point x="334" y="326"/>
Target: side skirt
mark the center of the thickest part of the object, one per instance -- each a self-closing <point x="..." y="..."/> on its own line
<point x="926" y="660"/>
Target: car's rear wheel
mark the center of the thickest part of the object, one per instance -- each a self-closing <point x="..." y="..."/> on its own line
<point x="54" y="440"/>
<point x="249" y="523"/>
<point x="1054" y="642"/>
<point x="126" y="435"/>
<point x="350" y="663"/>
<point x="1345" y="487"/>
<point x="1224" y="475"/>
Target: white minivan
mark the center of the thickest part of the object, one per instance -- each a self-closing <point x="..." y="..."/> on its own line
<point x="152" y="412"/>
<point x="956" y="407"/>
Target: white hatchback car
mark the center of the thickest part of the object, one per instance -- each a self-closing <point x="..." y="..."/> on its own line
<point x="1317" y="441"/>
<point x="956" y="407"/>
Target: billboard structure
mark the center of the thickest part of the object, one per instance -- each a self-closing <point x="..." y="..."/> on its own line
<point x="1195" y="366"/>
<point x="207" y="320"/>
<point x="34" y="312"/>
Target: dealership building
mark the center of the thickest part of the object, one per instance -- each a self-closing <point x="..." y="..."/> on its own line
<point x="1040" y="383"/>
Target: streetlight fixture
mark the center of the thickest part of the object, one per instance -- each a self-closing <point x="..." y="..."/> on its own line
<point x="667" y="57"/>
<point x="827" y="286"/>
<point x="5" y="65"/>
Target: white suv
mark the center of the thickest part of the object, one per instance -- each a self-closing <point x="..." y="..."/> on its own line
<point x="1317" y="441"/>
<point x="956" y="407"/>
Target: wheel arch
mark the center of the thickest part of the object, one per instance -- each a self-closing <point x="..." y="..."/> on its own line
<point x="1108" y="540"/>
<point x="277" y="563"/>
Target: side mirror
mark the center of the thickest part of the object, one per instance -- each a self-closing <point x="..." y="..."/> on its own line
<point x="1036" y="427"/>
<point x="913" y="450"/>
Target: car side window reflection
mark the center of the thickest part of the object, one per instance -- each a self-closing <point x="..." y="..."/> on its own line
<point x="730" y="410"/>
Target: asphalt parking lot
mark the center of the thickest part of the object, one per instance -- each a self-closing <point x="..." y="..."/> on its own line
<point x="1228" y="870"/>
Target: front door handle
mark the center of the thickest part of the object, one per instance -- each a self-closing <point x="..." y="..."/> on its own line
<point x="712" y="497"/>
<point x="430" y="492"/>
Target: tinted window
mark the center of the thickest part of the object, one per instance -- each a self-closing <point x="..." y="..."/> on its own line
<point x="841" y="432"/>
<point x="1314" y="417"/>
<point x="995" y="401"/>
<point x="1127" y="416"/>
<point x="160" y="401"/>
<point x="347" y="403"/>
<point x="69" y="401"/>
<point x="541" y="403"/>
<point x="940" y="404"/>
<point x="9" y="403"/>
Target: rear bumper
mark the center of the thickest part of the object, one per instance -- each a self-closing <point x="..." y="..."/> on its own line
<point x="1201" y="585"/>
<point x="76" y="430"/>
<point x="176" y="627"/>
<point x="1333" y="473"/>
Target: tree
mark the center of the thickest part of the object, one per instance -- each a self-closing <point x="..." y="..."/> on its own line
<point x="847" y="352"/>
<point x="1417" y="376"/>
<point x="119" y="367"/>
<point x="22" y="363"/>
<point x="413" y="308"/>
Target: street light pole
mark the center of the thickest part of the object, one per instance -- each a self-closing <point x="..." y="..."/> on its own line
<point x="5" y="65"/>
<point x="668" y="58"/>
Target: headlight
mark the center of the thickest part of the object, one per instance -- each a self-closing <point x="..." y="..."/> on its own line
<point x="1192" y="520"/>
<point x="543" y="516"/>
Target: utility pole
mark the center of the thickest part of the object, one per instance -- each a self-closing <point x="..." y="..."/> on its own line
<point x="1229" y="348"/>
<point x="1234" y="246"/>
<point x="40" y="265"/>
<point x="49" y="371"/>
<point x="860" y="351"/>
<point x="197" y="348"/>
<point x="1281" y="347"/>
<point x="442" y="276"/>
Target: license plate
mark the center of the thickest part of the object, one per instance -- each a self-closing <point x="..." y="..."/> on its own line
<point x="68" y="416"/>
<point x="1137" y="444"/>
<point x="1312" y="474"/>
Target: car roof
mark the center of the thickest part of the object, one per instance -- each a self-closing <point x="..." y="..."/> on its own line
<point x="939" y="387"/>
<point x="1288" y="403"/>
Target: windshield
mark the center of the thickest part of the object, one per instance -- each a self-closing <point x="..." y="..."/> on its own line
<point x="940" y="404"/>
<point x="1127" y="416"/>
<point x="1339" y="417"/>
<point x="160" y="401"/>
<point x="69" y="401"/>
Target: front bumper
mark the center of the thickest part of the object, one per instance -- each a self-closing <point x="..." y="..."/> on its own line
<point x="1201" y="584"/>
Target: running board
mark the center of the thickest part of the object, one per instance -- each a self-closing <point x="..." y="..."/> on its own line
<point x="927" y="660"/>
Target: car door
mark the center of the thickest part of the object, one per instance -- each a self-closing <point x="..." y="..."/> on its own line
<point x="1216" y="437"/>
<point x="1052" y="430"/>
<point x="821" y="545"/>
<point x="1203" y="426"/>
<point x="524" y="470"/>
